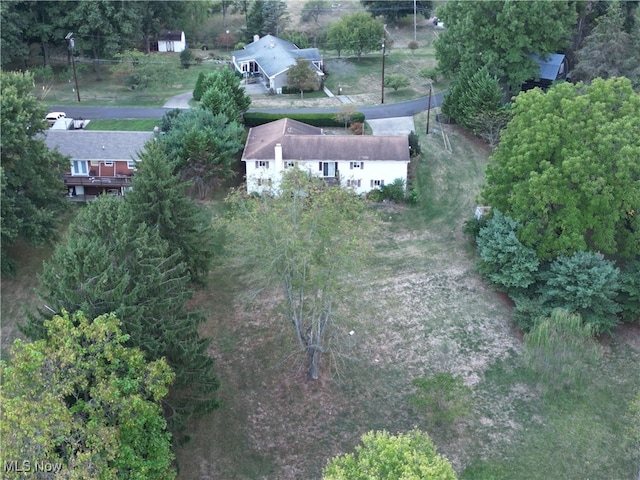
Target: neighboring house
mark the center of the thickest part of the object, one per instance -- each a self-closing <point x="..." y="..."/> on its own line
<point x="100" y="162"/>
<point x="553" y="67"/>
<point x="269" y="58"/>
<point x="171" y="41"/>
<point x="362" y="162"/>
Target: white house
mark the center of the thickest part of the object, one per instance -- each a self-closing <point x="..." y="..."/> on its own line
<point x="172" y="41"/>
<point x="360" y="162"/>
<point x="270" y="58"/>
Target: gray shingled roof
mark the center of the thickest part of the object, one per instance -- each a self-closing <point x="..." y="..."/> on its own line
<point x="170" y="35"/>
<point x="304" y="142"/>
<point x="275" y="55"/>
<point x="549" y="66"/>
<point x="97" y="145"/>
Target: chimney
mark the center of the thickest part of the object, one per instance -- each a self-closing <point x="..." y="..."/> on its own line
<point x="256" y="38"/>
<point x="278" y="157"/>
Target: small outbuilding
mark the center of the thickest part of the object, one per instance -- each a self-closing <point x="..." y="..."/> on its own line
<point x="551" y="68"/>
<point x="172" y="41"/>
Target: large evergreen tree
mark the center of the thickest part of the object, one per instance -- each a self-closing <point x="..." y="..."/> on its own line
<point x="158" y="200"/>
<point x="499" y="35"/>
<point x="32" y="194"/>
<point x="109" y="264"/>
<point x="82" y="402"/>
<point x="203" y="147"/>
<point x="609" y="51"/>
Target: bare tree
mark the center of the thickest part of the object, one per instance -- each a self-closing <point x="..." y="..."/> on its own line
<point x="305" y="239"/>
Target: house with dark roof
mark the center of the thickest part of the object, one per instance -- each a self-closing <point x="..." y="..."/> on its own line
<point x="360" y="162"/>
<point x="99" y="162"/>
<point x="171" y="41"/>
<point x="269" y="59"/>
<point x="551" y="68"/>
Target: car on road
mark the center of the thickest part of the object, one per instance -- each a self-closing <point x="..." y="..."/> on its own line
<point x="52" y="117"/>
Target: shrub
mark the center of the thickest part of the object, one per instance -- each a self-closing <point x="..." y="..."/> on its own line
<point x="253" y="119"/>
<point x="444" y="398"/>
<point x="413" y="45"/>
<point x="357" y="128"/>
<point x="414" y="144"/>
<point x="395" y="191"/>
<point x="199" y="88"/>
<point x="584" y="283"/>
<point x="186" y="58"/>
<point x="504" y="260"/>
<point x="629" y="297"/>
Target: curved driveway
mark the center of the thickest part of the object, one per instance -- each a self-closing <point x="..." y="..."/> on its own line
<point x="392" y="110"/>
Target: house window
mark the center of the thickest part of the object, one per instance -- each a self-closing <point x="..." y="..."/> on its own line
<point x="108" y="164"/>
<point x="131" y="164"/>
<point x="353" y="165"/>
<point x="289" y="164"/>
<point x="328" y="169"/>
<point x="262" y="164"/>
<point x="377" y="183"/>
<point x="354" y="183"/>
<point x="79" y="167"/>
<point x="264" y="182"/>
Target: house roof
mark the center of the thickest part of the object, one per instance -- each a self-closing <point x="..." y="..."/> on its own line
<point x="97" y="145"/>
<point x="302" y="142"/>
<point x="275" y="55"/>
<point x="170" y="35"/>
<point x="549" y="66"/>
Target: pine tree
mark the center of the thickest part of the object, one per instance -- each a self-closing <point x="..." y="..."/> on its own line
<point x="158" y="200"/>
<point x="111" y="264"/>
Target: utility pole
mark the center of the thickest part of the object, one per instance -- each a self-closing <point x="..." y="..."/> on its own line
<point x="415" y="34"/>
<point x="384" y="38"/>
<point x="72" y="45"/>
<point x="428" y="109"/>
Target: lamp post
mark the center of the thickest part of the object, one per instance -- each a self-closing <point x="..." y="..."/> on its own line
<point x="227" y="40"/>
<point x="69" y="38"/>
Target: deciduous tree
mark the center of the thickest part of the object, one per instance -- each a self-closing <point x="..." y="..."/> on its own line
<point x="32" y="195"/>
<point x="499" y="35"/>
<point x="302" y="76"/>
<point x="567" y="169"/>
<point x="394" y="10"/>
<point x="111" y="264"/>
<point x="396" y="81"/>
<point x="313" y="9"/>
<point x="305" y="240"/>
<point x="357" y="33"/>
<point x="142" y="71"/>
<point x="82" y="399"/>
<point x="393" y="457"/>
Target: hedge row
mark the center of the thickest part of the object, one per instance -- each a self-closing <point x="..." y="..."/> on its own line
<point x="253" y="119"/>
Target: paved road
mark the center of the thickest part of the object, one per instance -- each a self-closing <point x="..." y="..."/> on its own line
<point x="404" y="109"/>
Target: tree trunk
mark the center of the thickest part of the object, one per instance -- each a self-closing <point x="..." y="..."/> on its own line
<point x="313" y="359"/>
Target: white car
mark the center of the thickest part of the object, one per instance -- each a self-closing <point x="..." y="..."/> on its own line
<point x="53" y="116"/>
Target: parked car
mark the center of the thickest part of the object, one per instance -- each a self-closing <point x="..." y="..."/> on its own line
<point x="53" y="116"/>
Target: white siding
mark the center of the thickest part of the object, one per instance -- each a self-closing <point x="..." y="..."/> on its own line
<point x="261" y="178"/>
